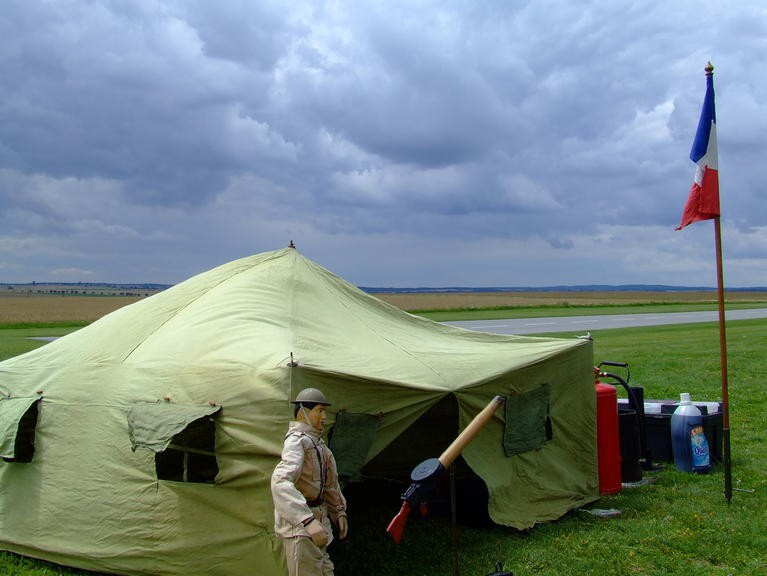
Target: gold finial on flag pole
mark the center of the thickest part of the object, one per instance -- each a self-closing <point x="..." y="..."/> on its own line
<point x="709" y="68"/>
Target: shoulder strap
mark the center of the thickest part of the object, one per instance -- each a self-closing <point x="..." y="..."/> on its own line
<point x="323" y="471"/>
<point x="318" y="448"/>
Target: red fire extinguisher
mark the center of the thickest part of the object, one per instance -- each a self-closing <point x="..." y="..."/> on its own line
<point x="608" y="437"/>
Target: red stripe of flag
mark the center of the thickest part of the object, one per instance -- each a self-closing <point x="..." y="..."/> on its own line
<point x="703" y="201"/>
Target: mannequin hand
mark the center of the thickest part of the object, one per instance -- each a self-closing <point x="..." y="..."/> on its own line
<point x="343" y="527"/>
<point x="317" y="533"/>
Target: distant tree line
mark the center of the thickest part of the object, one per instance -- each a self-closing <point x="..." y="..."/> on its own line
<point x="81" y="289"/>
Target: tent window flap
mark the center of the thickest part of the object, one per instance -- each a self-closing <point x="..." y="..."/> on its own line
<point x="182" y="437"/>
<point x="350" y="441"/>
<point x="153" y="425"/>
<point x="18" y="420"/>
<point x="528" y="423"/>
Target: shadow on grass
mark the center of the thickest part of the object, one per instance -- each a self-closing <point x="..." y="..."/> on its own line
<point x="429" y="542"/>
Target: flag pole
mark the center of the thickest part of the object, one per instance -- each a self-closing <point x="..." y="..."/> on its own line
<point x="726" y="459"/>
<point x="703" y="204"/>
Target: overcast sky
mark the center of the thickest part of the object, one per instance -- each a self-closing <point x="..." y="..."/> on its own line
<point x="397" y="143"/>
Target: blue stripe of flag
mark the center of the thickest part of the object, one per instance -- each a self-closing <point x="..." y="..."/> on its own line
<point x="707" y="116"/>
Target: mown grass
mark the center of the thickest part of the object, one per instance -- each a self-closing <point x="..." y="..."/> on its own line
<point x="679" y="524"/>
<point x="18" y="339"/>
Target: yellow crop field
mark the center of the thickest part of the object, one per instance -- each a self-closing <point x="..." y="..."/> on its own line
<point x="34" y="308"/>
<point x="479" y="300"/>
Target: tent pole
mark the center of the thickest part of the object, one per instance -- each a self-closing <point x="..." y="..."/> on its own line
<point x="454" y="520"/>
<point x="292" y="364"/>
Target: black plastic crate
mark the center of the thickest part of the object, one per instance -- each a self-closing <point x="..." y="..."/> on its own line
<point x="658" y="430"/>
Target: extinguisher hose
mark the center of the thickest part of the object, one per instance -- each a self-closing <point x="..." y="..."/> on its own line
<point x="637" y="408"/>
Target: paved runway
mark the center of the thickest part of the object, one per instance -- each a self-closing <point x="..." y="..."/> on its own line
<point x="581" y="324"/>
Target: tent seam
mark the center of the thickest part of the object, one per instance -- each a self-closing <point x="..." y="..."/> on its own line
<point x="193" y="300"/>
<point x="383" y="337"/>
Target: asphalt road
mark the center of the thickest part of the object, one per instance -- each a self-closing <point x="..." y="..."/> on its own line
<point x="582" y="324"/>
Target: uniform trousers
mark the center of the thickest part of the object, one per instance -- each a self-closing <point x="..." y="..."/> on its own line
<point x="305" y="558"/>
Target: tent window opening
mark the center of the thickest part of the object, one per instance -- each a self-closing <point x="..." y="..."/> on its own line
<point x="191" y="455"/>
<point x="18" y="423"/>
<point x="528" y="421"/>
<point x="183" y="439"/>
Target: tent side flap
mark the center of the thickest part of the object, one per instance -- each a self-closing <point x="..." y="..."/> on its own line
<point x="350" y="441"/>
<point x="153" y="425"/>
<point x="528" y="423"/>
<point x="14" y="413"/>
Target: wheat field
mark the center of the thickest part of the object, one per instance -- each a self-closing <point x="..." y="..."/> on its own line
<point x="480" y="300"/>
<point x="17" y="309"/>
<point x="43" y="309"/>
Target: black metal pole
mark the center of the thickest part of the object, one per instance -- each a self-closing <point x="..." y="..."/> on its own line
<point x="454" y="520"/>
<point x="726" y="459"/>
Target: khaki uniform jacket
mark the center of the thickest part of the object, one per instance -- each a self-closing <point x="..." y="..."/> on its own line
<point x="306" y="471"/>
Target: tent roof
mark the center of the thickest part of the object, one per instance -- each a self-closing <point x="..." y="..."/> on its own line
<point x="260" y="309"/>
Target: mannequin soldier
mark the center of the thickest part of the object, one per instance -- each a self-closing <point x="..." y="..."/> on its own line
<point x="305" y="490"/>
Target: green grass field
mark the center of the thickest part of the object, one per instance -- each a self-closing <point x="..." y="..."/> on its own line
<point x="679" y="524"/>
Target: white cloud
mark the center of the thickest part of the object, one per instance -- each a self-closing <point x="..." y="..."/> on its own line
<point x="648" y="127"/>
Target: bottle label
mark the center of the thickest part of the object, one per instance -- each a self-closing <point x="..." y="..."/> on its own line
<point x="699" y="444"/>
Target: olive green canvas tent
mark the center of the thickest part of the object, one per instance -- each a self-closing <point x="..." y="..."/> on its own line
<point x="144" y="443"/>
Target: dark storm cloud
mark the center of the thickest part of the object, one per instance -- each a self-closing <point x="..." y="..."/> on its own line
<point x="537" y="133"/>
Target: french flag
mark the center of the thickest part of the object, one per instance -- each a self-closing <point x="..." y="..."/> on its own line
<point x="703" y="202"/>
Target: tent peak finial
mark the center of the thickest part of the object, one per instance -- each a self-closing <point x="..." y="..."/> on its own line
<point x="291" y="245"/>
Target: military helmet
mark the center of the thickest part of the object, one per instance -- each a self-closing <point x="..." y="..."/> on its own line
<point x="311" y="395"/>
